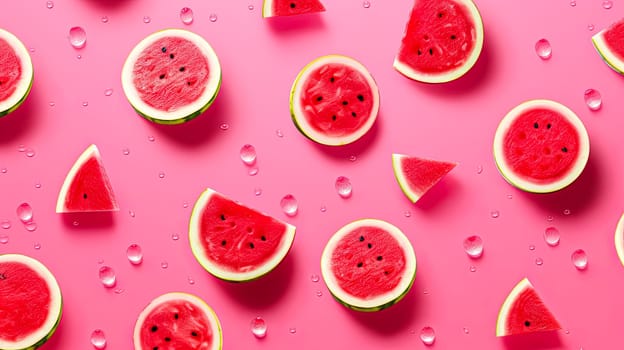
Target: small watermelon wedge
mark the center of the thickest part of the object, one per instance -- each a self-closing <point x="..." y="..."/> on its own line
<point x="31" y="303"/>
<point x="86" y="187"/>
<point x="279" y="8"/>
<point x="417" y="175"/>
<point x="234" y="242"/>
<point x="16" y="72"/>
<point x="524" y="312"/>
<point x="619" y="239"/>
<point x="609" y="43"/>
<point x="177" y="320"/>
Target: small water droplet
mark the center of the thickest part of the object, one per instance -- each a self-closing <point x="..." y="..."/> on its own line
<point x="593" y="99"/>
<point x="590" y="27"/>
<point x="366" y="4"/>
<point x="77" y="37"/>
<point x="279" y="133"/>
<point x="425" y="291"/>
<point x="250" y="7"/>
<point x="37" y="246"/>
<point x="100" y="261"/>
<point x="147" y="19"/>
<point x="161" y="174"/>
<point x="50" y="4"/>
<point x="253" y="171"/>
<point x="190" y="280"/>
<point x="494" y="214"/>
<point x="552" y="236"/>
<point x="352" y="158"/>
<point x="131" y="213"/>
<point x="5" y="224"/>
<point x="4" y="239"/>
<point x="539" y="261"/>
<point x="212" y="17"/>
<point x="185" y="204"/>
<point x="76" y="223"/>
<point x="21" y="148"/>
<point x="52" y="103"/>
<point x="119" y="290"/>
<point x="104" y="19"/>
<point x="257" y="191"/>
<point x="98" y="339"/>
<point x="343" y="186"/>
<point x="407" y="213"/>
<point x="164" y="265"/>
<point x="510" y="196"/>
<point x="85" y="103"/>
<point x="543" y="49"/>
<point x="107" y="276"/>
<point x="567" y="212"/>
<point x="572" y="3"/>
<point x="479" y="169"/>
<point x="32" y="50"/>
<point x="473" y="268"/>
<point x="607" y="4"/>
<point x="30" y="152"/>
<point x="4" y="170"/>
<point x="315" y="278"/>
<point x="473" y="245"/>
<point x="466" y="330"/>
<point x="134" y="254"/>
<point x="248" y="154"/>
<point x="427" y="335"/>
<point x="319" y="293"/>
<point x="186" y="15"/>
<point x="31" y="226"/>
<point x="24" y="212"/>
<point x="125" y="151"/>
<point x="37" y="184"/>
<point x="579" y="259"/>
<point x="567" y="331"/>
<point x="175" y="236"/>
<point x="79" y="56"/>
<point x="224" y="126"/>
<point x="289" y="205"/>
<point x="550" y="218"/>
<point x="531" y="247"/>
<point x="258" y="327"/>
<point x="292" y="330"/>
<point x="151" y="138"/>
<point x="108" y="92"/>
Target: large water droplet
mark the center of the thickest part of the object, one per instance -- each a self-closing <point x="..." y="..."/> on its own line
<point x="427" y="335"/>
<point x="77" y="37"/>
<point x="50" y="4"/>
<point x="593" y="99"/>
<point x="473" y="245"/>
<point x="552" y="236"/>
<point x="134" y="254"/>
<point x="24" y="212"/>
<point x="258" y="327"/>
<point x="107" y="276"/>
<point x="573" y="3"/>
<point x="366" y="4"/>
<point x="543" y="49"/>
<point x="579" y="259"/>
<point x="607" y="4"/>
<point x="343" y="186"/>
<point x="4" y="239"/>
<point x="212" y="17"/>
<point x="289" y="205"/>
<point x="5" y="224"/>
<point x="98" y="339"/>
<point x="186" y="15"/>
<point x="248" y="154"/>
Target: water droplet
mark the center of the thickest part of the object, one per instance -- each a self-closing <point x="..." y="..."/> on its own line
<point x="186" y="15"/>
<point x="164" y="265"/>
<point x="607" y="4"/>
<point x="352" y="158"/>
<point x="30" y="152"/>
<point x="315" y="278"/>
<point x="566" y="212"/>
<point x="427" y="335"/>
<point x="494" y="214"/>
<point x="572" y="3"/>
<point x="323" y="209"/>
<point x="250" y="7"/>
<point x="579" y="259"/>
<point x="151" y="138"/>
<point x="125" y="151"/>
<point x="590" y="27"/>
<point x="50" y="4"/>
<point x="224" y="126"/>
<point x="108" y="92"/>
<point x="257" y="191"/>
<point x="567" y="331"/>
<point x="543" y="49"/>
<point x="185" y="204"/>
<point x="531" y="247"/>
<point x="107" y="276"/>
<point x="319" y="293"/>
<point x="407" y="213"/>
<point x="190" y="280"/>
<point x="550" y="218"/>
<point x="79" y="56"/>
<point x="552" y="236"/>
<point x="21" y="148"/>
<point x="24" y="212"/>
<point x="258" y="327"/>
<point x="248" y="154"/>
<point x="292" y="330"/>
<point x="366" y="4"/>
<point x="85" y="103"/>
<point x="30" y="226"/>
<point x="37" y="184"/>
<point x="253" y="171"/>
<point x="425" y="292"/>
<point x="510" y="196"/>
<point x="175" y="236"/>
<point x="32" y="50"/>
<point x="134" y="254"/>
<point x="161" y="174"/>
<point x="4" y="239"/>
<point x="76" y="223"/>
<point x="98" y="339"/>
<point x="119" y="290"/>
<point x="146" y="19"/>
<point x="473" y="268"/>
<point x="279" y="133"/>
<point x="479" y="169"/>
<point x="593" y="99"/>
<point x="343" y="186"/>
<point x="466" y="330"/>
<point x="289" y="205"/>
<point x="100" y="261"/>
<point x="104" y="19"/>
<point x="51" y="103"/>
<point x="5" y="224"/>
<point x="539" y="261"/>
<point x="37" y="246"/>
<point x="77" y="37"/>
<point x="132" y="213"/>
<point x="212" y="17"/>
<point x="4" y="170"/>
<point x="473" y="245"/>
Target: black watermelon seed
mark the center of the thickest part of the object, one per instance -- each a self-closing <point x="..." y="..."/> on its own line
<point x="164" y="49"/>
<point x="439" y="14"/>
<point x="361" y="238"/>
<point x="419" y="52"/>
<point x="223" y="242"/>
<point x="564" y="149"/>
<point x="193" y="333"/>
<point x="171" y="56"/>
<point x="535" y="125"/>
<point x="188" y="83"/>
<point x="379" y="258"/>
<point x="319" y="99"/>
<point x="431" y="52"/>
<point x="527" y="323"/>
<point x="251" y="245"/>
<point x="333" y="117"/>
<point x="263" y="238"/>
<point x="162" y="76"/>
<point x="176" y="316"/>
<point x="154" y="328"/>
<point x="344" y="103"/>
<point x="84" y="195"/>
<point x="353" y="114"/>
<point x="548" y="126"/>
<point x="370" y="246"/>
<point x="167" y="339"/>
<point x="360" y="97"/>
<point x="222" y="217"/>
<point x="332" y="79"/>
<point x="360" y="264"/>
<point x="155" y="348"/>
<point x="453" y="37"/>
<point x="182" y="69"/>
<point x="292" y="5"/>
<point x="386" y="273"/>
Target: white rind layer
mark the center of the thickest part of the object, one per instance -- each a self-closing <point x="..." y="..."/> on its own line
<point x="397" y="160"/>
<point x="619" y="239"/>
<point x="523" y="285"/>
<point x="267" y="8"/>
<point x="25" y="83"/>
<point x="523" y="183"/>
<point x="616" y="63"/>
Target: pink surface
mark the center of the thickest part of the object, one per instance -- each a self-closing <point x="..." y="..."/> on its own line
<point x="68" y="110"/>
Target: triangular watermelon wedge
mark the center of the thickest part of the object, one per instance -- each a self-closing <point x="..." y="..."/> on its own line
<point x="87" y="187"/>
<point x="417" y="175"/>
<point x="524" y="312"/>
<point x="278" y="8"/>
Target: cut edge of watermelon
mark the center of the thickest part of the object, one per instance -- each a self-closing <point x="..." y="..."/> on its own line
<point x="267" y="9"/>
<point x="185" y="113"/>
<point x="195" y="300"/>
<point x="619" y="239"/>
<point x="529" y="186"/>
<point x="385" y="300"/>
<point x="91" y="151"/>
<point x="297" y="112"/>
<point x="218" y="271"/>
<point x="404" y="182"/>
<point x="25" y="84"/>
<point x="460" y="71"/>
<point x="56" y="306"/>
<point x="610" y="58"/>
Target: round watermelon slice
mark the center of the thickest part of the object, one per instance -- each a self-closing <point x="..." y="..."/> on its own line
<point x="609" y="43"/>
<point x="619" y="239"/>
<point x="171" y="76"/>
<point x="417" y="175"/>
<point x="279" y="8"/>
<point x="368" y="265"/>
<point x="234" y="242"/>
<point x="177" y="321"/>
<point x="524" y="312"/>
<point x="442" y="40"/>
<point x="31" y="303"/>
<point x="16" y="72"/>
<point x="334" y="100"/>
<point x="541" y="146"/>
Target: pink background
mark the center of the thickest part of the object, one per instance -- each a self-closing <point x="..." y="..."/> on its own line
<point x="260" y="58"/>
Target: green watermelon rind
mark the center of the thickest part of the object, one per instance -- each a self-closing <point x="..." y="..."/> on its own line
<point x="619" y="239"/>
<point x="222" y="272"/>
<point x="385" y="300"/>
<point x="437" y="78"/>
<point x="525" y="184"/>
<point x="49" y="328"/>
<point x="298" y="116"/>
<point x="267" y="9"/>
<point x="183" y="114"/>
<point x="610" y="58"/>
<point x="403" y="181"/>
<point x="23" y="88"/>
<point x="173" y="296"/>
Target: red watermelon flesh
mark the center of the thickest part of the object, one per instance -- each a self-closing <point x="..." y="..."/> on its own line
<point x="541" y="145"/>
<point x="10" y="70"/>
<point x="337" y="100"/>
<point x="421" y="174"/>
<point x="90" y="189"/>
<point x="368" y="262"/>
<point x="171" y="73"/>
<point x="25" y="301"/>
<point x="614" y="38"/>
<point x="237" y="237"/>
<point x="440" y="36"/>
<point x="296" y="7"/>
<point x="176" y="324"/>
<point x="529" y="314"/>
